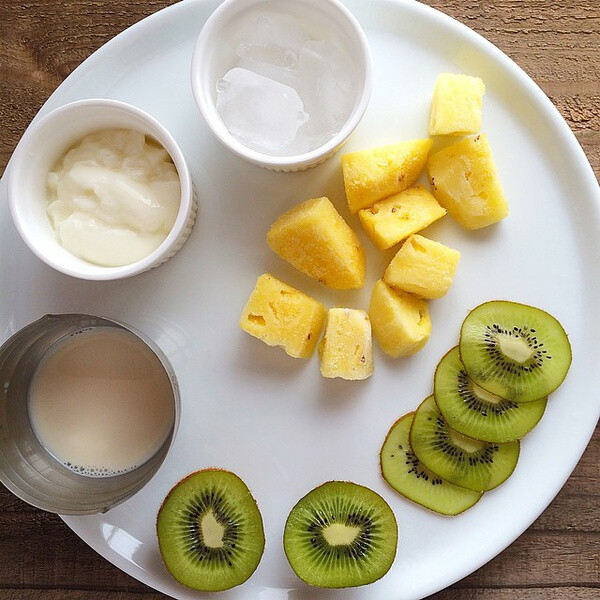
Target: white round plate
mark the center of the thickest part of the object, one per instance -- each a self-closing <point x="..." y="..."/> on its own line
<point x="274" y="420"/>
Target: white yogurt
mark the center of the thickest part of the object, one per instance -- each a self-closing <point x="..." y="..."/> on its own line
<point x="114" y="197"/>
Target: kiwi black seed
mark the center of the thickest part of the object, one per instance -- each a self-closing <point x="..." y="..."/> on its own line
<point x="210" y="531"/>
<point x="460" y="459"/>
<point x="340" y="534"/>
<point x="472" y="411"/>
<point x="402" y="469"/>
<point x="514" y="351"/>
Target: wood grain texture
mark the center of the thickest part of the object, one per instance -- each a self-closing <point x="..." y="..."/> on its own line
<point x="557" y="43"/>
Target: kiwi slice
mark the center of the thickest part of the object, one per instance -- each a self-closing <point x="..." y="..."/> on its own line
<point x="472" y="411"/>
<point x="340" y="534"/>
<point x="515" y="351"/>
<point x="404" y="472"/>
<point x="210" y="531"/>
<point x="456" y="457"/>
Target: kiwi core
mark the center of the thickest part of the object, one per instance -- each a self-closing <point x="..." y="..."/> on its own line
<point x="465" y="443"/>
<point x="485" y="395"/>
<point x="212" y="530"/>
<point x="515" y="348"/>
<point x="338" y="534"/>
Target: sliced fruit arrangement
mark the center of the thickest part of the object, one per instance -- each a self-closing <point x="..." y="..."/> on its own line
<point x="339" y="535"/>
<point x="402" y="469"/>
<point x="515" y="351"/>
<point x="210" y="531"/>
<point x="382" y="188"/>
<point x="489" y="391"/>
<point x="462" y="460"/>
<point x="473" y="411"/>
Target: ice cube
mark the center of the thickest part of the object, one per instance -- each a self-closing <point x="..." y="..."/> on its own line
<point x="278" y="32"/>
<point x="268" y="53"/>
<point x="268" y="62"/>
<point x="326" y="87"/>
<point x="270" y="46"/>
<point x="262" y="113"/>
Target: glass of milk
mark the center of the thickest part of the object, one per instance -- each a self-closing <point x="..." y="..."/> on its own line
<point x="88" y="410"/>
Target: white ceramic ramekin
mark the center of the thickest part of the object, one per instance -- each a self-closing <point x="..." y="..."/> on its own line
<point x="44" y="142"/>
<point x="213" y="57"/>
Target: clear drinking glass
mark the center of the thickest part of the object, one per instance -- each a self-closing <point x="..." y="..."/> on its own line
<point x="26" y="467"/>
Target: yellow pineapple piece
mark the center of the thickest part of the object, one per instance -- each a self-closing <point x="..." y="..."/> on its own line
<point x="317" y="241"/>
<point x="400" y="320"/>
<point x="371" y="175"/>
<point x="465" y="182"/>
<point x="456" y="105"/>
<point x="422" y="267"/>
<point x="346" y="349"/>
<point x="392" y="220"/>
<point x="281" y="315"/>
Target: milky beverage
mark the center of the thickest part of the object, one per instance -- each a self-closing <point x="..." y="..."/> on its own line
<point x="100" y="402"/>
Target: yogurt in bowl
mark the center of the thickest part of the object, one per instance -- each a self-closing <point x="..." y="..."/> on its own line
<point x="98" y="189"/>
<point x="113" y="197"/>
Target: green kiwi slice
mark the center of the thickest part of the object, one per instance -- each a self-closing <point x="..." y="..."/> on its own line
<point x="404" y="472"/>
<point x="339" y="535"/>
<point x="514" y="351"/>
<point x="460" y="459"/>
<point x="210" y="531"/>
<point x="472" y="411"/>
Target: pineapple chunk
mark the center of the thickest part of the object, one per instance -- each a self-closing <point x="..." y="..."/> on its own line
<point x="456" y="105"/>
<point x="422" y="267"/>
<point x="465" y="182"/>
<point x="346" y="349"/>
<point x="401" y="321"/>
<point x="394" y="219"/>
<point x="315" y="239"/>
<point x="371" y="175"/>
<point x="281" y="315"/>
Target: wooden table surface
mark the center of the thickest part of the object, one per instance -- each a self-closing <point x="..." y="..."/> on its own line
<point x="558" y="44"/>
